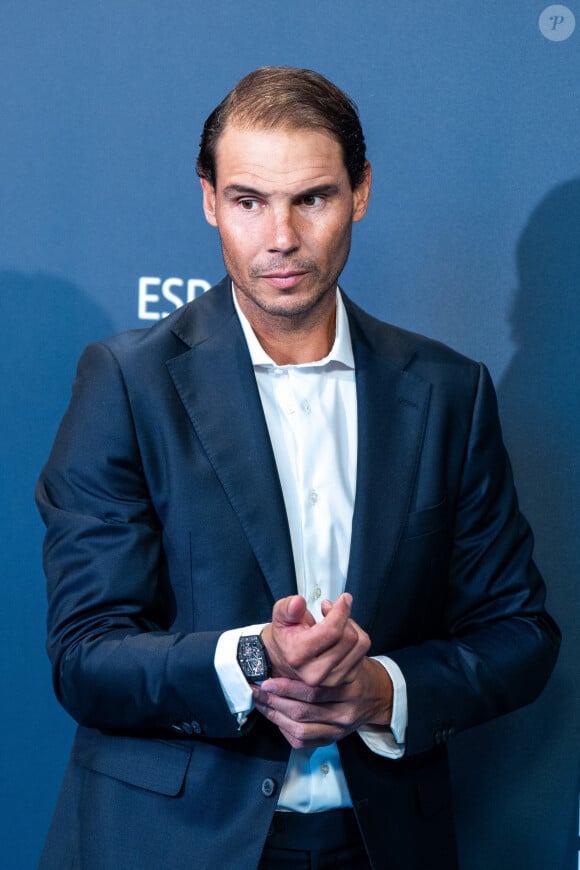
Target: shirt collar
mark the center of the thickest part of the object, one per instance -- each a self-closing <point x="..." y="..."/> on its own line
<point x="340" y="352"/>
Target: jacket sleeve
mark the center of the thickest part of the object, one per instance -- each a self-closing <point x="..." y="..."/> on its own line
<point x="117" y="663"/>
<point x="496" y="646"/>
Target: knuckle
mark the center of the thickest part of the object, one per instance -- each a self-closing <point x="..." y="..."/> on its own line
<point x="344" y="719"/>
<point x="311" y="695"/>
<point x="305" y="712"/>
<point x="332" y="681"/>
<point x="351" y="633"/>
<point x="293" y="658"/>
<point x="300" y="732"/>
<point x="312" y="677"/>
<point x="335" y="633"/>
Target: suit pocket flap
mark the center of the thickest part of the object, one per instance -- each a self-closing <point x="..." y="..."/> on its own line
<point x="154" y="765"/>
<point x="427" y="521"/>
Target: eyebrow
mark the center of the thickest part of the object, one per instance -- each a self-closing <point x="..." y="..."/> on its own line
<point x="241" y="189"/>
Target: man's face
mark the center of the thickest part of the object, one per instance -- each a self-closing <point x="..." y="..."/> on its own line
<point x="284" y="209"/>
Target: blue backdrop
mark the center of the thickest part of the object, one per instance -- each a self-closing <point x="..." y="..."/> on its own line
<point x="471" y="112"/>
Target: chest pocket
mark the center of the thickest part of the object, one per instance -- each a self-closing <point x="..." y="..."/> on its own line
<point x="427" y="521"/>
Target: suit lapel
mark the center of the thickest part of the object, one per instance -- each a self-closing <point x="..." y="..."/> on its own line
<point x="210" y="378"/>
<point x="392" y="407"/>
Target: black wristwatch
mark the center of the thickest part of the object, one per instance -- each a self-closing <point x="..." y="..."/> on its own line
<point x="253" y="658"/>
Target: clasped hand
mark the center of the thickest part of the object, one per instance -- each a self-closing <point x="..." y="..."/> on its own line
<point x="323" y="686"/>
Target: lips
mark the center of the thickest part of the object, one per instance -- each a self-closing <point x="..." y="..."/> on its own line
<point x="283" y="280"/>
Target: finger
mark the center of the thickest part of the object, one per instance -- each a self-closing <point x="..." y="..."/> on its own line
<point x="343" y="604"/>
<point x="290" y="619"/>
<point x="292" y="611"/>
<point x="309" y="737"/>
<point x="338" y="664"/>
<point x="299" y="721"/>
<point x="330" y="632"/>
<point x="314" y="651"/>
<point x="326" y="607"/>
<point x="301" y="648"/>
<point x="286" y="688"/>
<point x="319" y="659"/>
<point x="296" y="690"/>
<point x="307" y="726"/>
<point x="346" y="668"/>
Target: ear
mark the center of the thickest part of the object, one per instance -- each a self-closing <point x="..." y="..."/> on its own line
<point x="208" y="191"/>
<point x="361" y="194"/>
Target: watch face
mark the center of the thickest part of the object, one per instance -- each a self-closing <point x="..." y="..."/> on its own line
<point x="252" y="659"/>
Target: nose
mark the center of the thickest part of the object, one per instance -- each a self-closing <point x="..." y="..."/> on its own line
<point x="284" y="237"/>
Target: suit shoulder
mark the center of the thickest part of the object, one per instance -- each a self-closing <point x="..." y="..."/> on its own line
<point x="171" y="335"/>
<point x="407" y="350"/>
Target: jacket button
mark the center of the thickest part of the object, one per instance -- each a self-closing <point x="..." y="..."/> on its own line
<point x="268" y="787"/>
<point x="192" y="727"/>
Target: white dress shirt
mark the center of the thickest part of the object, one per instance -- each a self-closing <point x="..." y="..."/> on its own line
<point x="311" y="415"/>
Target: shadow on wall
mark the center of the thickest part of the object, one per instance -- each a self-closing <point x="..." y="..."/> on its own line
<point x="517" y="779"/>
<point x="45" y="324"/>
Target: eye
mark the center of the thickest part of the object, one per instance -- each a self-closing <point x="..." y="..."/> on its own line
<point x="248" y="204"/>
<point x="312" y="199"/>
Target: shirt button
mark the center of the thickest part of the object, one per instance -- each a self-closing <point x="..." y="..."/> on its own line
<point x="324" y="768"/>
<point x="306" y="407"/>
<point x="313" y="496"/>
<point x="317" y="592"/>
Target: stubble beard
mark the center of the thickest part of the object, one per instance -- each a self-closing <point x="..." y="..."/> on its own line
<point x="303" y="314"/>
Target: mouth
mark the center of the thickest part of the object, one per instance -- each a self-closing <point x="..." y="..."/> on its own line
<point x="283" y="280"/>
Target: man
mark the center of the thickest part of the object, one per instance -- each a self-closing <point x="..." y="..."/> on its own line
<point x="285" y="559"/>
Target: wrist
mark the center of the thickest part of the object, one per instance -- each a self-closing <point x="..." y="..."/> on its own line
<point x="381" y="694"/>
<point x="266" y="638"/>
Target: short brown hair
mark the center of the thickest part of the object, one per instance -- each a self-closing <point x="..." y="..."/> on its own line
<point x="282" y="96"/>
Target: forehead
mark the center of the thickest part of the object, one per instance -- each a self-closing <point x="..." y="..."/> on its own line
<point x="280" y="156"/>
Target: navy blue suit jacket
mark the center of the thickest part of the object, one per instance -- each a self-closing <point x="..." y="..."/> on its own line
<point x="166" y="526"/>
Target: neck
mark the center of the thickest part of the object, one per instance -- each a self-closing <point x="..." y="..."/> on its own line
<point x="294" y="339"/>
<point x="296" y="347"/>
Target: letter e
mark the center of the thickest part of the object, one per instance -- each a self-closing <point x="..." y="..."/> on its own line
<point x="145" y="298"/>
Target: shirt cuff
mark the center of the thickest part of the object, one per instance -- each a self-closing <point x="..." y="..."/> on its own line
<point x="236" y="689"/>
<point x="390" y="743"/>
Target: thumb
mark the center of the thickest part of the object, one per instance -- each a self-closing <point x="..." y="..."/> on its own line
<point x="292" y="611"/>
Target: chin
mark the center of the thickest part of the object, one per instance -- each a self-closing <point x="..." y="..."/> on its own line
<point x="290" y="307"/>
